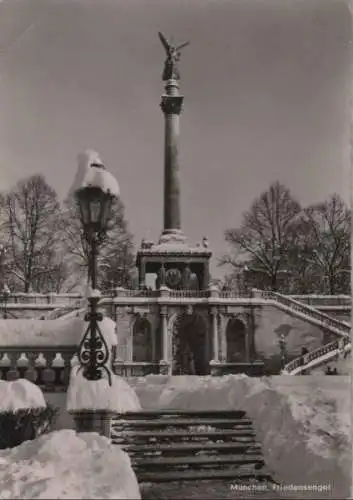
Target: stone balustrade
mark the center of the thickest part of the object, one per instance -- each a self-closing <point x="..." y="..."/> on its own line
<point x="41" y="298"/>
<point x="324" y="300"/>
<point x="135" y="369"/>
<point x="302" y="361"/>
<point x="47" y="367"/>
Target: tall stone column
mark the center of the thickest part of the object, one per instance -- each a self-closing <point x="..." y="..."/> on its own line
<point x="171" y="105"/>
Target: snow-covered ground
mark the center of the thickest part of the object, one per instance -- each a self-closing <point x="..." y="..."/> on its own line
<point x="64" y="464"/>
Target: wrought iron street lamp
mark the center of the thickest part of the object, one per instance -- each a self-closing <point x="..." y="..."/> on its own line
<point x="95" y="197"/>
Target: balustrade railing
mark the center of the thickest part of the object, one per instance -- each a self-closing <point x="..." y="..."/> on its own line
<point x="189" y="294"/>
<point x="302" y="361"/>
<point x="135" y="369"/>
<point x="42" y="298"/>
<point x="323" y="300"/>
<point x="47" y="367"/>
<point x="339" y="327"/>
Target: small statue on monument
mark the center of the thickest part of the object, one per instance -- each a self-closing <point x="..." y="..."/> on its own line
<point x="161" y="276"/>
<point x="185" y="280"/>
<point x="171" y="70"/>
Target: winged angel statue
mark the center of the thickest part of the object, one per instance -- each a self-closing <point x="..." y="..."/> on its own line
<point x="171" y="70"/>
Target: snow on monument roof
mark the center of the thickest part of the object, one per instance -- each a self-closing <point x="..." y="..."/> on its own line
<point x="91" y="172"/>
<point x="175" y="247"/>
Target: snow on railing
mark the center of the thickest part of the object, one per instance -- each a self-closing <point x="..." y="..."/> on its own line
<point x="138" y="292"/>
<point x="325" y="319"/>
<point x="135" y="369"/>
<point x="43" y="298"/>
<point x="189" y="293"/>
<point x="323" y="300"/>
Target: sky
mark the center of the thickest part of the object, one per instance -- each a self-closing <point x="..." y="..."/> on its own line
<point x="266" y="86"/>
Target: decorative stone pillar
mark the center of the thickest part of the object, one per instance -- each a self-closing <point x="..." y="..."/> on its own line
<point x="206" y="276"/>
<point x="164" y="316"/>
<point x="215" y="341"/>
<point x="247" y="345"/>
<point x="93" y="421"/>
<point x="142" y="276"/>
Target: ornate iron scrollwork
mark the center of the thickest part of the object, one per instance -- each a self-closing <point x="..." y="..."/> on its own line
<point x="93" y="351"/>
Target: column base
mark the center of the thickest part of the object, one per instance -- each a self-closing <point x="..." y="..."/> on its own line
<point x="172" y="236"/>
<point x="164" y="367"/>
<point x="93" y="421"/>
<point x="215" y="368"/>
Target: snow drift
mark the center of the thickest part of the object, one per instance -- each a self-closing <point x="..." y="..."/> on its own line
<point x="64" y="464"/>
<point x="20" y="394"/>
<point x="302" y="423"/>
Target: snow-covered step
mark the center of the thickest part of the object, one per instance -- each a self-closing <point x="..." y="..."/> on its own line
<point x="233" y="474"/>
<point x="183" y="414"/>
<point x="154" y="463"/>
<point x="173" y="445"/>
<point x="194" y="446"/>
<point x="175" y="422"/>
<point x="224" y="434"/>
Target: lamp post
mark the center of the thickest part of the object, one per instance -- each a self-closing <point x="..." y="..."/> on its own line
<point x="282" y="346"/>
<point x="5" y="297"/>
<point x="94" y="197"/>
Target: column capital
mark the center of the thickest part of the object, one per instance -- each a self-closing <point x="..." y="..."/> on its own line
<point x="172" y="104"/>
<point x="163" y="291"/>
<point x="213" y="291"/>
<point x="164" y="311"/>
<point x="214" y="311"/>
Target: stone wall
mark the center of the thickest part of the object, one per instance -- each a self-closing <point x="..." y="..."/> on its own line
<point x="271" y="323"/>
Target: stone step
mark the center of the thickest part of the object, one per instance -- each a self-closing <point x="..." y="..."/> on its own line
<point x="169" y="413"/>
<point x="163" y="462"/>
<point x="180" y="435"/>
<point x="197" y="475"/>
<point x="185" y="447"/>
<point x="180" y="422"/>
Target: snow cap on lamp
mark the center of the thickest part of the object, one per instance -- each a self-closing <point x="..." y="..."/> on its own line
<point x="91" y="172"/>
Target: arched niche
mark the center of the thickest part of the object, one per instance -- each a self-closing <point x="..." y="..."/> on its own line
<point x="142" y="340"/>
<point x="190" y="349"/>
<point x="236" y="341"/>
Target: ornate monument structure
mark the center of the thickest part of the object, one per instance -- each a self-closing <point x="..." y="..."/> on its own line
<point x="175" y="263"/>
<point x="175" y="325"/>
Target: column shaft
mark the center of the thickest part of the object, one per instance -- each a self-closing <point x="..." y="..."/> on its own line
<point x="215" y="344"/>
<point x="171" y="173"/>
<point x="165" y="345"/>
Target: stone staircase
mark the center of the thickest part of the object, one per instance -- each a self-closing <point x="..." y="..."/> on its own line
<point x="331" y="351"/>
<point x="307" y="313"/>
<point x="172" y="445"/>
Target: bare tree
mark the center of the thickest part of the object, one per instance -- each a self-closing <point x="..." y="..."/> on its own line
<point x="326" y="229"/>
<point x="266" y="234"/>
<point x="31" y="213"/>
